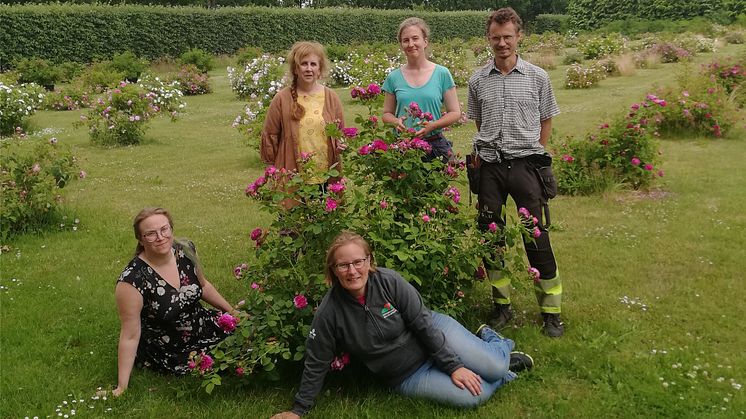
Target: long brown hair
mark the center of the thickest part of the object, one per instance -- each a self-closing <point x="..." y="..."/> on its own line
<point x="299" y="51"/>
<point x="342" y="239"/>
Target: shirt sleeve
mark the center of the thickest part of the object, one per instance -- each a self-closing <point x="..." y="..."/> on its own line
<point x="548" y="107"/>
<point x="473" y="111"/>
<point x="418" y="319"/>
<point x="320" y="349"/>
<point x="389" y="85"/>
<point x="446" y="79"/>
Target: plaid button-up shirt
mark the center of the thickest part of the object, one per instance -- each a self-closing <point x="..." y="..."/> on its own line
<point x="510" y="108"/>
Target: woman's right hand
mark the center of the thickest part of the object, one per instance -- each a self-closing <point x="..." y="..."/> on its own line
<point x="286" y="415"/>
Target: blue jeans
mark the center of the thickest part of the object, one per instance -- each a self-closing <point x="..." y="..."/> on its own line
<point x="490" y="358"/>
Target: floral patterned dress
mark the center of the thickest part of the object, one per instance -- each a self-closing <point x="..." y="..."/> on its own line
<point x="173" y="323"/>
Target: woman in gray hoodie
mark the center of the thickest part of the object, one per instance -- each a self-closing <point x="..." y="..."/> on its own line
<point x="379" y="318"/>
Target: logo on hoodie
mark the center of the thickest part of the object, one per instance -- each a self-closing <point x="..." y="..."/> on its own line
<point x="388" y="310"/>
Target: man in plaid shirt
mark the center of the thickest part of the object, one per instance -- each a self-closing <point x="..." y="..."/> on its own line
<point x="512" y="103"/>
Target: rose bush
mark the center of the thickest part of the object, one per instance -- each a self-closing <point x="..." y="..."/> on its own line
<point x="408" y="209"/>
<point x="17" y="104"/>
<point x="32" y="174"/>
<point x="623" y="151"/>
<point x="120" y="116"/>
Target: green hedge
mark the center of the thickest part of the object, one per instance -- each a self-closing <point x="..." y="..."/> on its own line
<point x="82" y="33"/>
<point x="591" y="14"/>
<point x="551" y="23"/>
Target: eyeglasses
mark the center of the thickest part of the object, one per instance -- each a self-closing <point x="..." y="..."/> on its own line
<point x="345" y="267"/>
<point x="151" y="236"/>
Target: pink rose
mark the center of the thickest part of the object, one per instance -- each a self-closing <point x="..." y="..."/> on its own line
<point x="374" y="89"/>
<point x="648" y="167"/>
<point x="384" y="204"/>
<point x="206" y="363"/>
<point x="191" y="365"/>
<point x="379" y="144"/>
<point x="254" y="285"/>
<point x="227" y="322"/>
<point x="635" y="161"/>
<point x="364" y="150"/>
<point x="239" y="371"/>
<point x="300" y="301"/>
<point x="337" y="187"/>
<point x="350" y="132"/>
<point x="568" y="158"/>
<point x="537" y="232"/>
<point x="492" y="227"/>
<point x="524" y="212"/>
<point x="426" y="218"/>
<point x="534" y="274"/>
<point x="331" y="204"/>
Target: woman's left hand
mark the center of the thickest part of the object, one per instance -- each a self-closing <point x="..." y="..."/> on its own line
<point x="466" y="378"/>
<point x="424" y="131"/>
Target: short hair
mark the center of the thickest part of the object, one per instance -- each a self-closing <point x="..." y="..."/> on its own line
<point x="414" y="21"/>
<point x="342" y="239"/>
<point x="142" y="215"/>
<point x="502" y="16"/>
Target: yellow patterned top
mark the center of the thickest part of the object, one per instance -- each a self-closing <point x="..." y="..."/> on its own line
<point x="311" y="136"/>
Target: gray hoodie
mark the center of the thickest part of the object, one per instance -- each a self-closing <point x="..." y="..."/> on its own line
<point x="392" y="334"/>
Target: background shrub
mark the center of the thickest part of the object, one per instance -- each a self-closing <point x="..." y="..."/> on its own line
<point x="37" y="70"/>
<point x="601" y="46"/>
<point x="551" y="23"/>
<point x="192" y="81"/>
<point x="32" y="173"/>
<point x="129" y="65"/>
<point x="17" y="103"/>
<point x="583" y="77"/>
<point x="203" y="60"/>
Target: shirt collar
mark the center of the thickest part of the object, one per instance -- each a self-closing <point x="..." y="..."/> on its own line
<point x="520" y="66"/>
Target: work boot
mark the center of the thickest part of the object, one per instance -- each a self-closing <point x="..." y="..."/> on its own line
<point x="553" y="326"/>
<point x="500" y="316"/>
<point x="520" y="361"/>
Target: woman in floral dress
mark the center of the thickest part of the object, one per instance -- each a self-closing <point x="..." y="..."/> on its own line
<point x="158" y="296"/>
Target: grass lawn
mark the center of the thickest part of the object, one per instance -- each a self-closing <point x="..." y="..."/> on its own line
<point x="652" y="284"/>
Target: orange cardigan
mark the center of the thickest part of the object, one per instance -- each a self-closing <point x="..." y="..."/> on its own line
<point x="279" y="143"/>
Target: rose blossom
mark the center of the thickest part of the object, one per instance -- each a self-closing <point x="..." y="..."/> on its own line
<point x="227" y="322"/>
<point x="537" y="232"/>
<point x="239" y="371"/>
<point x="648" y="167"/>
<point x="331" y="204"/>
<point x="206" y="362"/>
<point x="337" y="187"/>
<point x="493" y="227"/>
<point x="300" y="301"/>
<point x="349" y="132"/>
<point x="384" y="204"/>
<point x="254" y="285"/>
<point x="635" y="161"/>
<point x="426" y="218"/>
<point x="379" y="144"/>
<point x="256" y="234"/>
<point x="534" y="274"/>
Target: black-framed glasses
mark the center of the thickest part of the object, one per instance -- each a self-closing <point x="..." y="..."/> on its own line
<point x="345" y="267"/>
<point x="151" y="236"/>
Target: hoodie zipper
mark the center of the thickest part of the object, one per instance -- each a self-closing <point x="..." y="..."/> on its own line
<point x="373" y="319"/>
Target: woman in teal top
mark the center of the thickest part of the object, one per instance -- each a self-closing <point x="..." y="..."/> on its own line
<point x="426" y="84"/>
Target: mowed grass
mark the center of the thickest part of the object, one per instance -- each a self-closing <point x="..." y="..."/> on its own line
<point x="653" y="288"/>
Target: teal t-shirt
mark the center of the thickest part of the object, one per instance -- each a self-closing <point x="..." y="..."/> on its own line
<point x="429" y="96"/>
